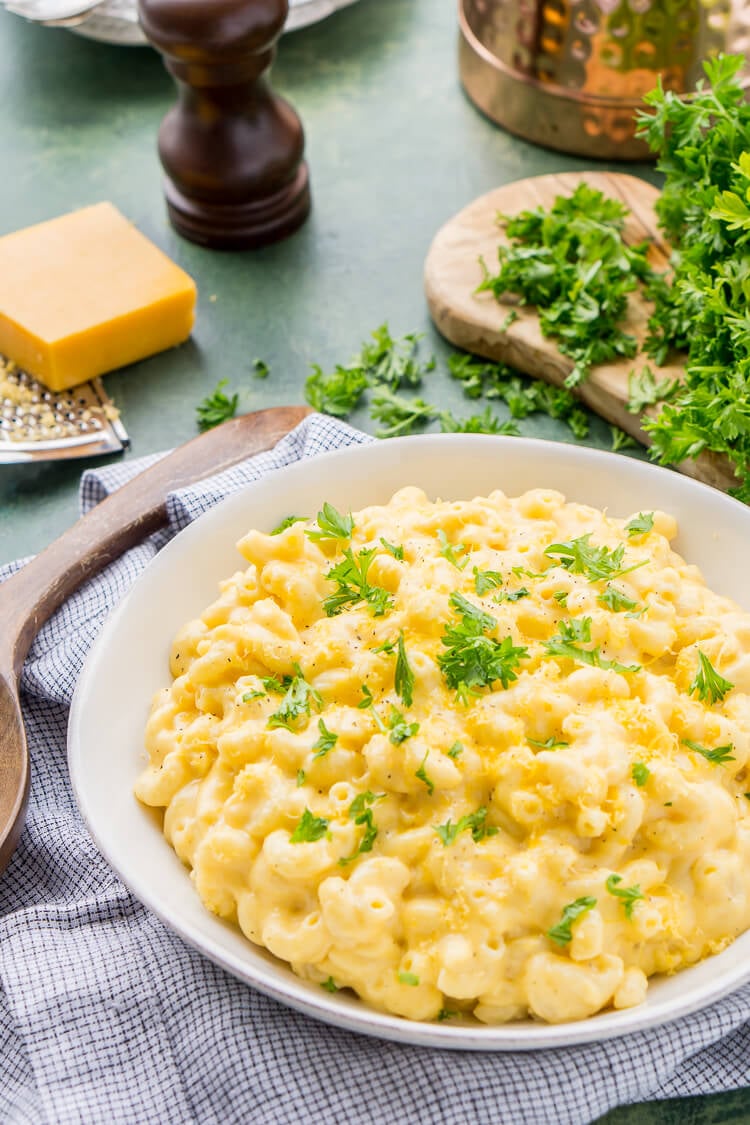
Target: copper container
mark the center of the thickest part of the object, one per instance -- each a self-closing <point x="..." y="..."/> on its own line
<point x="570" y="74"/>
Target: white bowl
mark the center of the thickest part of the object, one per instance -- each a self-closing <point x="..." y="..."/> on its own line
<point x="128" y="663"/>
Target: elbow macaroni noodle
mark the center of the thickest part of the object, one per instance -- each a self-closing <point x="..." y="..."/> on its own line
<point x="495" y="765"/>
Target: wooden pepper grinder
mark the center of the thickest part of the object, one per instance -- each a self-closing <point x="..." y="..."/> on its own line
<point x="231" y="148"/>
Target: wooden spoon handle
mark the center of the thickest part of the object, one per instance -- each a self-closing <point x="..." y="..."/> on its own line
<point x="123" y="519"/>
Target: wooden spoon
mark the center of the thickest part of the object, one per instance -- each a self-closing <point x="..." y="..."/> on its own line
<point x="31" y="596"/>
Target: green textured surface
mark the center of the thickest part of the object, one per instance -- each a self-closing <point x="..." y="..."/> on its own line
<point x="394" y="150"/>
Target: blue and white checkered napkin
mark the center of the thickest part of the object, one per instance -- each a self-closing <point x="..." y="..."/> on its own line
<point x="106" y="1016"/>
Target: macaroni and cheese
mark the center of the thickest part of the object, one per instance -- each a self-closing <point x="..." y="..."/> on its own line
<point x="481" y="757"/>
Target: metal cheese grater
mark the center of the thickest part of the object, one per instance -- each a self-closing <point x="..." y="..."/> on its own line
<point x="37" y="424"/>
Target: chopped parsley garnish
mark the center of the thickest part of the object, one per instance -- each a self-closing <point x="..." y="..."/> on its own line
<point x="301" y="778"/>
<point x="708" y="684"/>
<point x="397" y="552"/>
<point x="621" y="440"/>
<point x="472" y="659"/>
<point x="640" y="524"/>
<point x="456" y="750"/>
<point x="309" y="829"/>
<point x="452" y="552"/>
<point x="512" y="595"/>
<point x="287" y="522"/>
<point x="216" y="408"/>
<point x="551" y="743"/>
<point x="447" y="1014"/>
<point x="296" y="703"/>
<point x="485" y="580"/>
<point x="247" y="696"/>
<point x="719" y="755"/>
<point x="404" y="680"/>
<point x="471" y="612"/>
<point x="629" y="895"/>
<point x="561" y="597"/>
<point x="361" y="814"/>
<point x="597" y="563"/>
<point x="615" y="600"/>
<point x="389" y="647"/>
<point x="640" y="774"/>
<point x="274" y="684"/>
<point x="261" y="370"/>
<point x="567" y="642"/>
<point x="350" y="576"/>
<point x="561" y="934"/>
<point x="421" y="773"/>
<point x="475" y="822"/>
<point x="572" y="261"/>
<point x="332" y="525"/>
<point x="399" y="729"/>
<point x="326" y="742"/>
<point x="408" y="978"/>
<point x="367" y="703"/>
<point x="644" y="390"/>
<point x="329" y="985"/>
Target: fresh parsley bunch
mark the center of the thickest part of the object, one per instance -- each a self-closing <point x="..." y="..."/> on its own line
<point x="703" y="144"/>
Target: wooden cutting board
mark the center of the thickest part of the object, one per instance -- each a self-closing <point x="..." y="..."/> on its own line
<point x="475" y="321"/>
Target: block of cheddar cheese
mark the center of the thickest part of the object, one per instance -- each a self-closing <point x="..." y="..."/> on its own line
<point x="86" y="293"/>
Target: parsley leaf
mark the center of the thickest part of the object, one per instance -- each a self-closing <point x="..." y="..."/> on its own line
<point x="216" y="408"/>
<point x="562" y="934"/>
<point x="597" y="563"/>
<point x="421" y="773"/>
<point x="361" y="814"/>
<point x="456" y="750"/>
<point x="551" y="743"/>
<point x="475" y="822"/>
<point x="261" y="370"/>
<point x="330" y="985"/>
<point x="644" y="390"/>
<point x="338" y="393"/>
<point x="472" y="659"/>
<point x="296" y="703"/>
<point x="408" y="978"/>
<point x="640" y="524"/>
<point x="452" y="552"/>
<point x="301" y="778"/>
<point x="615" y="600"/>
<point x="512" y="595"/>
<point x="719" y="755"/>
<point x="629" y="895"/>
<point x="708" y="684"/>
<point x="326" y="742"/>
<point x="350" y="576"/>
<point x="332" y="525"/>
<point x="397" y="552"/>
<point x="485" y="580"/>
<point x="404" y="680"/>
<point x="287" y="522"/>
<point x="309" y="829"/>
<point x="399" y="729"/>
<point x="567" y="643"/>
<point x="640" y="773"/>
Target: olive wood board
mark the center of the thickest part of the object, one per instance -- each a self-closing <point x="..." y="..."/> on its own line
<point x="475" y="321"/>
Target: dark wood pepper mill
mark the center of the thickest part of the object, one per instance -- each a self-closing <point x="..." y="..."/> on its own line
<point x="231" y="148"/>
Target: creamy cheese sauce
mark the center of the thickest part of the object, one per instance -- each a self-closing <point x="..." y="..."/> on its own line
<point x="494" y="766"/>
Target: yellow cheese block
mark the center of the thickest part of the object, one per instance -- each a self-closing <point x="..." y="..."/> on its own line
<point x="86" y="293"/>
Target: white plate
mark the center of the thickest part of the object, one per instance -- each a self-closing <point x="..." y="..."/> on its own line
<point x="116" y="21"/>
<point x="128" y="663"/>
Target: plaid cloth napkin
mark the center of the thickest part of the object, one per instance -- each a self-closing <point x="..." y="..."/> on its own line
<point x="106" y="1016"/>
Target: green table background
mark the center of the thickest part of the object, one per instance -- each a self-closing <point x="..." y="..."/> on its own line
<point x="394" y="150"/>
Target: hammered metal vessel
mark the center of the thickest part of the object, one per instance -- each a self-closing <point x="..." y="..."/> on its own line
<point x="570" y="74"/>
